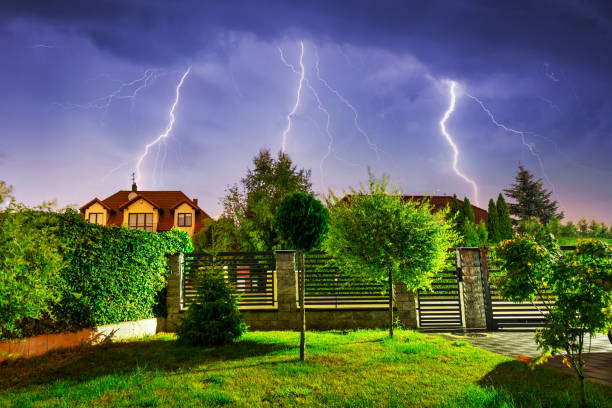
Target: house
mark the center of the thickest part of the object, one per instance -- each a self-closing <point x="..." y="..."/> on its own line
<point x="440" y="202"/>
<point x="152" y="211"/>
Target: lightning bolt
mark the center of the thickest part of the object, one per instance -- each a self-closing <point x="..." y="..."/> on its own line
<point x="349" y="105"/>
<point x="447" y="115"/>
<point x="522" y="134"/>
<point x="121" y="93"/>
<point x="302" y="74"/>
<point x="166" y="133"/>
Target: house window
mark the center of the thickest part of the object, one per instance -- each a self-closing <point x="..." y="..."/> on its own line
<point x="142" y="221"/>
<point x="96" y="218"/>
<point x="184" y="220"/>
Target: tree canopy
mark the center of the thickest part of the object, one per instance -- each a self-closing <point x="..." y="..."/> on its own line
<point x="252" y="203"/>
<point x="376" y="235"/>
<point x="532" y="200"/>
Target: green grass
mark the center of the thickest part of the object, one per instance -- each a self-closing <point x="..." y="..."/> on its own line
<point x="343" y="369"/>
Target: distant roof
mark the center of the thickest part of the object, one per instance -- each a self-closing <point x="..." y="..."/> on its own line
<point x="165" y="201"/>
<point x="439" y="202"/>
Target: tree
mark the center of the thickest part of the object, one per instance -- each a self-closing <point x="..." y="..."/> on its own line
<point x="251" y="205"/>
<point x="531" y="198"/>
<point x="569" y="230"/>
<point x="505" y="222"/>
<point x="217" y="236"/>
<point x="5" y="191"/>
<point x="594" y="228"/>
<point x="468" y="211"/>
<point x="493" y="223"/>
<point x="301" y="220"/>
<point x="214" y="319"/>
<point x="580" y="282"/>
<point x="582" y="226"/>
<point x="375" y="235"/>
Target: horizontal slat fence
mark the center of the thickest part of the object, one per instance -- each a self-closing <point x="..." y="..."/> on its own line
<point x="329" y="288"/>
<point x="509" y="315"/>
<point x="251" y="275"/>
<point x="441" y="306"/>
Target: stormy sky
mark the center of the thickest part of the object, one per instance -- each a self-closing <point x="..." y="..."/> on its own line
<point x="86" y="86"/>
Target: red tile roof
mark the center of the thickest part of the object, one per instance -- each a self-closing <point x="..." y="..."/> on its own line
<point x="165" y="201"/>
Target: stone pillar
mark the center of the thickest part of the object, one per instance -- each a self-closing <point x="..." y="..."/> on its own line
<point x="473" y="291"/>
<point x="405" y="302"/>
<point x="286" y="287"/>
<point x="174" y="294"/>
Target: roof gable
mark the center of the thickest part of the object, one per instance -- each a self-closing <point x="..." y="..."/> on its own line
<point x="92" y="202"/>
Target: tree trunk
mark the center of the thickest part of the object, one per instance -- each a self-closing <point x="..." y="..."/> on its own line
<point x="390" y="303"/>
<point x="582" y="393"/>
<point x="302" y="307"/>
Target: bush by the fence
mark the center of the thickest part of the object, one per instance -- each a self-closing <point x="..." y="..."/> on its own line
<point x="214" y="319"/>
<point x="110" y="274"/>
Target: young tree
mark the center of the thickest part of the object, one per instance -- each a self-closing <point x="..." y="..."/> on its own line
<point x="594" y="228"/>
<point x="375" y="235"/>
<point x="493" y="223"/>
<point x="217" y="236"/>
<point x="580" y="282"/>
<point x="505" y="222"/>
<point x="468" y="211"/>
<point x="531" y="198"/>
<point x="251" y="205"/>
<point x="301" y="220"/>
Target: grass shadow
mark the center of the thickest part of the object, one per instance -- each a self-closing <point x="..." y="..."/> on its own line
<point x="85" y="363"/>
<point x="542" y="386"/>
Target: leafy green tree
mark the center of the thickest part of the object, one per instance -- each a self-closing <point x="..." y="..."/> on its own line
<point x="505" y="222"/>
<point x="470" y="234"/>
<point x="301" y="220"/>
<point x="251" y="205"/>
<point x="580" y="281"/>
<point x="594" y="228"/>
<point x="217" y="236"/>
<point x="582" y="226"/>
<point x="483" y="234"/>
<point x="30" y="266"/>
<point x="569" y="230"/>
<point x="531" y="198"/>
<point x="493" y="223"/>
<point x="375" y="235"/>
<point x="5" y="191"/>
<point x="554" y="227"/>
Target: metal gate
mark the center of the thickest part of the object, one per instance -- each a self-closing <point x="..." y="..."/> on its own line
<point x="441" y="307"/>
<point x="503" y="314"/>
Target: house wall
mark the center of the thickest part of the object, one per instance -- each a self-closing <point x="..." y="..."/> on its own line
<point x="185" y="208"/>
<point x="140" y="206"/>
<point x="96" y="208"/>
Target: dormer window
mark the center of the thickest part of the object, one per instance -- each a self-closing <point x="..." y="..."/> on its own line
<point x="184" y="219"/>
<point x="142" y="221"/>
<point x="96" y="218"/>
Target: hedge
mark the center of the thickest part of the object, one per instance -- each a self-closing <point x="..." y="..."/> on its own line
<point x="110" y="274"/>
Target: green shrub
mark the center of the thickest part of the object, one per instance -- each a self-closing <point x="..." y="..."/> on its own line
<point x="214" y="318"/>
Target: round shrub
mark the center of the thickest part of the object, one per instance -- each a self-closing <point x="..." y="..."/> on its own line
<point x="214" y="319"/>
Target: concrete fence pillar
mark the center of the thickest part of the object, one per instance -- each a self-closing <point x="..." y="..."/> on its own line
<point x="174" y="291"/>
<point x="473" y="289"/>
<point x="405" y="302"/>
<point x="286" y="287"/>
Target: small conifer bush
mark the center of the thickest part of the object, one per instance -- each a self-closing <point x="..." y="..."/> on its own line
<point x="214" y="319"/>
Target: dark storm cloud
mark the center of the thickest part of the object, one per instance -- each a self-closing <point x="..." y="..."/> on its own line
<point x="458" y="38"/>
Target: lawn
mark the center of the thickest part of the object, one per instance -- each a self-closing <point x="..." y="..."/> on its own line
<point x="344" y="369"/>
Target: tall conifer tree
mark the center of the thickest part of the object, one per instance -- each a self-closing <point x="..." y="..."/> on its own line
<point x="503" y="217"/>
<point x="493" y="223"/>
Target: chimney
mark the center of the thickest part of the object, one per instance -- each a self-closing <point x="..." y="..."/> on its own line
<point x="195" y="201"/>
<point x="134" y="189"/>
